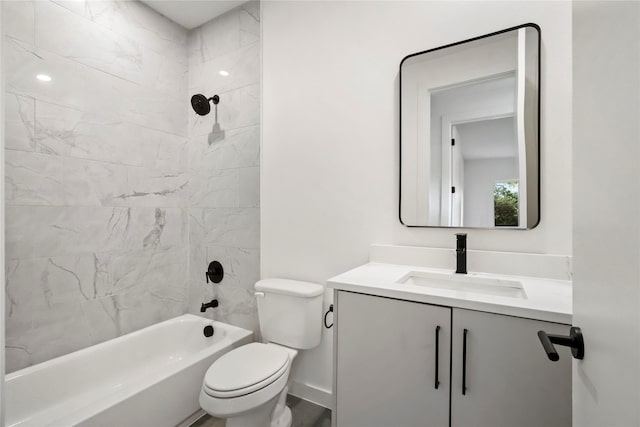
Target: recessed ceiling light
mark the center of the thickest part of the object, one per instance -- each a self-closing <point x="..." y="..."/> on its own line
<point x="223" y="73"/>
<point x="43" y="78"/>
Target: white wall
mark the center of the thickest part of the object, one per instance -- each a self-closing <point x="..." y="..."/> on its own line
<point x="480" y="177"/>
<point x="329" y="184"/>
<point x="606" y="293"/>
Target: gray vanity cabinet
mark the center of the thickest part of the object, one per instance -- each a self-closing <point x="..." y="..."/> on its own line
<point x="386" y="359"/>
<point x="510" y="382"/>
<point x="385" y="367"/>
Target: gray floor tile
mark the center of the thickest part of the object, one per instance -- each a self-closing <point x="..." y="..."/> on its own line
<point x="305" y="414"/>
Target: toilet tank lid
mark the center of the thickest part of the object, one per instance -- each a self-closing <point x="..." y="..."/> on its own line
<point x="294" y="288"/>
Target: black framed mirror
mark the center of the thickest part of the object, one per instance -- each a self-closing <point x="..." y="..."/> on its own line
<point x="469" y="133"/>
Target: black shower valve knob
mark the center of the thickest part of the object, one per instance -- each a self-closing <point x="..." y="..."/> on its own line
<point x="215" y="272"/>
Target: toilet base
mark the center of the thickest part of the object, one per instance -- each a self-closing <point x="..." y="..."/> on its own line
<point x="282" y="414"/>
<point x="285" y="420"/>
<point x="274" y="413"/>
<point x="258" y="417"/>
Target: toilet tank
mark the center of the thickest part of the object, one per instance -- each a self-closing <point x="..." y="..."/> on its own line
<point x="290" y="312"/>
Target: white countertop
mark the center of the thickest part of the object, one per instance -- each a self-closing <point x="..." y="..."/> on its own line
<point x="547" y="299"/>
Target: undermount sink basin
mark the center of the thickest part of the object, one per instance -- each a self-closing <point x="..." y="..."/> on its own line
<point x="465" y="283"/>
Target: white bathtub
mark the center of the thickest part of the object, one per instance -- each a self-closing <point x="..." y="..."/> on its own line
<point x="151" y="377"/>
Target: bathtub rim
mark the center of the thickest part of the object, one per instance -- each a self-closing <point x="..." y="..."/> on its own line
<point x="99" y="402"/>
<point x="95" y="347"/>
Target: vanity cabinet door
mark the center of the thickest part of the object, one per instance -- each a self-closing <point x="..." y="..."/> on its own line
<point x="509" y="381"/>
<point x="385" y="362"/>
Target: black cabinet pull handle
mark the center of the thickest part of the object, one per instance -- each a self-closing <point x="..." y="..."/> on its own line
<point x="464" y="362"/>
<point x="437" y="354"/>
<point x="574" y="340"/>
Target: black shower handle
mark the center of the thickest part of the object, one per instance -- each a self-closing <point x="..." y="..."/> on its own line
<point x="215" y="272"/>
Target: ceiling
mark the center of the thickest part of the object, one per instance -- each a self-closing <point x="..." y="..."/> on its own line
<point x="191" y="14"/>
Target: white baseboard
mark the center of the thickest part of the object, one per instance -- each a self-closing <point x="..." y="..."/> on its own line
<point x="313" y="394"/>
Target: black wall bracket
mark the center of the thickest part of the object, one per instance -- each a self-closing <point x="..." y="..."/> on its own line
<point x="215" y="272"/>
<point x="574" y="340"/>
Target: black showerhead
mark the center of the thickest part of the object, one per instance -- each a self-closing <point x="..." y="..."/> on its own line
<point x="200" y="103"/>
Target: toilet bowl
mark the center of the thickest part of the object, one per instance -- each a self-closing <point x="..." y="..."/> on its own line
<point x="248" y="385"/>
<point x="245" y="385"/>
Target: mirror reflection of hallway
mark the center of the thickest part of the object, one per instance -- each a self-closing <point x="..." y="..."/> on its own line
<point x="485" y="152"/>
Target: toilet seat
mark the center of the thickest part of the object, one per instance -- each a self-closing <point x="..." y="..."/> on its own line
<point x="245" y="370"/>
<point x="224" y="407"/>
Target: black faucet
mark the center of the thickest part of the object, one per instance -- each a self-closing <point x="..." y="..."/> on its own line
<point x="461" y="253"/>
<point x="212" y="304"/>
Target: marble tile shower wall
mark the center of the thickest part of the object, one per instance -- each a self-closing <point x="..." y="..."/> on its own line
<point x="97" y="198"/>
<point x="224" y="164"/>
<point x="117" y="194"/>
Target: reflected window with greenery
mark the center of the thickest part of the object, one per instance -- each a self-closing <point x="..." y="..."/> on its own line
<point x="505" y="204"/>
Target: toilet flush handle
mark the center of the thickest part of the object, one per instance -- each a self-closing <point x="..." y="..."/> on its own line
<point x="259" y="294"/>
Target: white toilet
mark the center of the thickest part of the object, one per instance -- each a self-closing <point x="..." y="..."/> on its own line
<point x="248" y="385"/>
